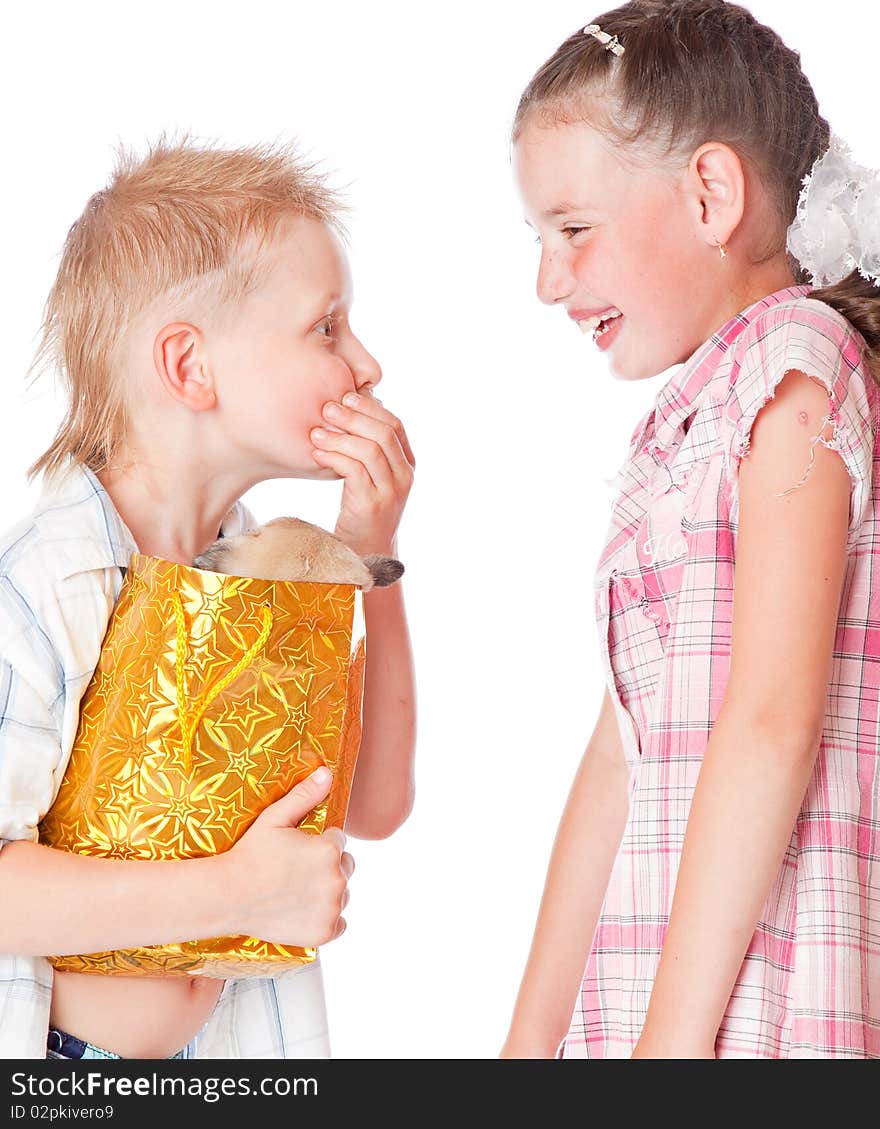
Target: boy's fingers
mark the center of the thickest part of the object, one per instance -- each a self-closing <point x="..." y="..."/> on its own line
<point x="367" y="452"/>
<point x="347" y="864"/>
<point x="292" y="808"/>
<point x="337" y="836"/>
<point x="358" y="403"/>
<point x="366" y="426"/>
<point x="351" y="470"/>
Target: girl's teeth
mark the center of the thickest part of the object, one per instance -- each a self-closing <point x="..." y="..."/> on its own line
<point x="598" y="324"/>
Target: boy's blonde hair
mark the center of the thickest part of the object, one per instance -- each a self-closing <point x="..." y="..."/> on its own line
<point x="163" y="224"/>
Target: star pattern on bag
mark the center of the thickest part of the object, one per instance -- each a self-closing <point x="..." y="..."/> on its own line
<point x="130" y="792"/>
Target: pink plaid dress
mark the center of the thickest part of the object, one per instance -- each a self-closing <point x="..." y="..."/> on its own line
<point x="810" y="983"/>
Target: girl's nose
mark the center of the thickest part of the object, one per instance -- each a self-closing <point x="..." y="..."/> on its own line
<point x="554" y="279"/>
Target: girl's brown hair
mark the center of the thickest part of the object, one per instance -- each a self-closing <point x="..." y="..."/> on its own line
<point x="695" y="71"/>
<point x="173" y="222"/>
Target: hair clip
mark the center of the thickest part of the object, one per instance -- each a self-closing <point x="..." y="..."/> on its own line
<point x="609" y="42"/>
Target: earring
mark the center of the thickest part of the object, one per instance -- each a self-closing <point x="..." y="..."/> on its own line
<point x="722" y="249"/>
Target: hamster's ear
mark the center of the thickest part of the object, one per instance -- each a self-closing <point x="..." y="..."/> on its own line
<point x="384" y="570"/>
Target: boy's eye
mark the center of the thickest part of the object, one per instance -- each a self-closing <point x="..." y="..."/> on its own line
<point x="325" y="327"/>
<point x="569" y="232"/>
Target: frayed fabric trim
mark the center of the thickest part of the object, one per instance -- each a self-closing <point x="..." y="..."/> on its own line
<point x="840" y="441"/>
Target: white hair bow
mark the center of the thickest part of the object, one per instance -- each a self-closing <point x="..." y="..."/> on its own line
<point x="837" y="226"/>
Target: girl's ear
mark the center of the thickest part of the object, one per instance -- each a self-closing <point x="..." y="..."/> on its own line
<point x="717" y="180"/>
<point x="180" y="363"/>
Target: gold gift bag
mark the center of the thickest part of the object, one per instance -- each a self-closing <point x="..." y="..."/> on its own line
<point x="213" y="696"/>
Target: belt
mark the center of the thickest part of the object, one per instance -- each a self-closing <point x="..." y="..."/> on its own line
<point x="63" y="1044"/>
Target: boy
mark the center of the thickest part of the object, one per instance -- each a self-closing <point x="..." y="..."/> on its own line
<point x="200" y="320"/>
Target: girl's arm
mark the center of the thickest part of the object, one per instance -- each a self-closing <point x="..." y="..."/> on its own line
<point x="373" y="457"/>
<point x="790" y="563"/>
<point x="586" y="844"/>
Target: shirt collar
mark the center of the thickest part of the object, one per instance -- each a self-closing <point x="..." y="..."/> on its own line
<point x="76" y="515"/>
<point x="680" y="397"/>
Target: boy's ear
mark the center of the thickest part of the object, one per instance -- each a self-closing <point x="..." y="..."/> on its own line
<point x="717" y="180"/>
<point x="178" y="356"/>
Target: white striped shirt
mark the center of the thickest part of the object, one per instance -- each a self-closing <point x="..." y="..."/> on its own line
<point x="61" y="570"/>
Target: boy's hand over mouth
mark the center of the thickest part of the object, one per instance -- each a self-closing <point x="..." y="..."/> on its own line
<point x="371" y="453"/>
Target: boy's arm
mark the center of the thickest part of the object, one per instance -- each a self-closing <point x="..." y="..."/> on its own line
<point x="583" y="854"/>
<point x="382" y="792"/>
<point x="59" y="903"/>
<point x="277" y="883"/>
<point x="373" y="457"/>
<point x="790" y="562"/>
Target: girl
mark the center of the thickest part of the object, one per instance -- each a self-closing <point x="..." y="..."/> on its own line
<point x="713" y="887"/>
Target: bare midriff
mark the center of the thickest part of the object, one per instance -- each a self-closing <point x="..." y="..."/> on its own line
<point x="133" y="1016"/>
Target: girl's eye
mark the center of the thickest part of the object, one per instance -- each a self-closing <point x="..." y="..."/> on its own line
<point x="325" y="327"/>
<point x="570" y="232"/>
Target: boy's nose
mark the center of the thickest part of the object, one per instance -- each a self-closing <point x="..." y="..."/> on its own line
<point x="365" y="369"/>
<point x="554" y="280"/>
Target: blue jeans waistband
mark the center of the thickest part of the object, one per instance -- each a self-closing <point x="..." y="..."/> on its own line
<point x="61" y="1045"/>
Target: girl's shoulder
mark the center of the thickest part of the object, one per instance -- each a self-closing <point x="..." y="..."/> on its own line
<point x="801" y="308"/>
<point x="806" y="335"/>
<point x="804" y="325"/>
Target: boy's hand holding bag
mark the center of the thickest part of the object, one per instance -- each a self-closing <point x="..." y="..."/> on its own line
<point x="214" y="695"/>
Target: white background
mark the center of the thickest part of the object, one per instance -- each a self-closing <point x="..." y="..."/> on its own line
<point x="515" y="422"/>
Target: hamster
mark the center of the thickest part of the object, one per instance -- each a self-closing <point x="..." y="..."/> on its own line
<point x="289" y="549"/>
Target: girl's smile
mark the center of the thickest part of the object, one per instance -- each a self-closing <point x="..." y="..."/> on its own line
<point x="598" y="323"/>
